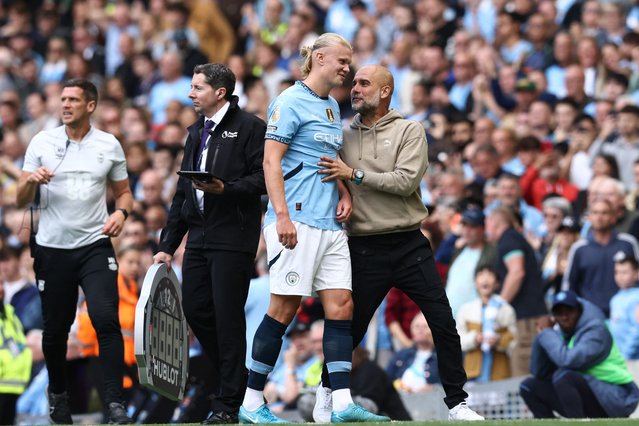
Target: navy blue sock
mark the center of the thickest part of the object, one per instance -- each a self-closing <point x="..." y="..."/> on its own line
<point x="338" y="352"/>
<point x="266" y="348"/>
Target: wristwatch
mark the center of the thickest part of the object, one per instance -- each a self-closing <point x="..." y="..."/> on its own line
<point x="125" y="213"/>
<point x="358" y="176"/>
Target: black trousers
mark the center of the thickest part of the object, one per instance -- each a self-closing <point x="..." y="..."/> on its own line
<point x="59" y="272"/>
<point x="8" y="408"/>
<point x="405" y="260"/>
<point x="214" y="290"/>
<point x="567" y="393"/>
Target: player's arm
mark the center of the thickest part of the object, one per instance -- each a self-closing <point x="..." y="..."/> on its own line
<point x="274" y="177"/>
<point x="123" y="201"/>
<point x="345" y="205"/>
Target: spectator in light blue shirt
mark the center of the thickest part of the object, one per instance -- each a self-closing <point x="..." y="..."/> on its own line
<point x="563" y="52"/>
<point x="173" y="86"/>
<point x="509" y="195"/>
<point x="513" y="49"/>
<point x="464" y="71"/>
<point x="480" y="17"/>
<point x="624" y="307"/>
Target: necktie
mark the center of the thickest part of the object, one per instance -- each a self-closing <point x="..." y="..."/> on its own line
<point x="208" y="125"/>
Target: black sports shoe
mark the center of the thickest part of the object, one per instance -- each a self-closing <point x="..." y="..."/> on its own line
<point x="59" y="411"/>
<point x="221" y="417"/>
<point x="118" y="415"/>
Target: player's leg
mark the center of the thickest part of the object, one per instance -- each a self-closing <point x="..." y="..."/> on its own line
<point x="58" y="285"/>
<point x="98" y="274"/>
<point x="333" y="284"/>
<point x="291" y="274"/>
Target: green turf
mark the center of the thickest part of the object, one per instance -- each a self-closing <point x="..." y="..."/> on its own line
<point x="559" y="422"/>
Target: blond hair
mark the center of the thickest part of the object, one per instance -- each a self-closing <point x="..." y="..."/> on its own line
<point x="325" y="40"/>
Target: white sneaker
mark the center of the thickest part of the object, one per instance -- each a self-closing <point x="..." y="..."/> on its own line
<point x="463" y="412"/>
<point x="323" y="405"/>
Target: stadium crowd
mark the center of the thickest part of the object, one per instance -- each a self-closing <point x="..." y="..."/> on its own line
<point x="531" y="109"/>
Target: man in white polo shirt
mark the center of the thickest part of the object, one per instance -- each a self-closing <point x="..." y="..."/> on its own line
<point x="69" y="168"/>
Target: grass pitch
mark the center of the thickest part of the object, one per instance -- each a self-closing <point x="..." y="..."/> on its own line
<point x="548" y="422"/>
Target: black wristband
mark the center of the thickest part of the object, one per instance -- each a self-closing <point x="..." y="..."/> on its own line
<point x="125" y="213"/>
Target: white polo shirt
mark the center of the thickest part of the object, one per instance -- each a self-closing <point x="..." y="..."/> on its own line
<point x="73" y="205"/>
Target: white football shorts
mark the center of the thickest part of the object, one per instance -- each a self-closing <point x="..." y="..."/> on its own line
<point x="320" y="261"/>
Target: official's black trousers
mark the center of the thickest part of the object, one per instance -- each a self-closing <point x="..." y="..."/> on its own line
<point x="59" y="272"/>
<point x="405" y="260"/>
<point x="214" y="290"/>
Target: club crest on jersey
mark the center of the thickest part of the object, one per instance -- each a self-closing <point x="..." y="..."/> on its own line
<point x="113" y="265"/>
<point x="292" y="278"/>
<point x="329" y="114"/>
<point x="59" y="151"/>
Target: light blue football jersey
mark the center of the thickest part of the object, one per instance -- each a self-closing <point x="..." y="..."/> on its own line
<point x="311" y="127"/>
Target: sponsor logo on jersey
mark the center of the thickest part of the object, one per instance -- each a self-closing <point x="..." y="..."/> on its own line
<point x="329" y="138"/>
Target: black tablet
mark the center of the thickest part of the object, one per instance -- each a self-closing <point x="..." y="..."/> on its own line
<point x="197" y="175"/>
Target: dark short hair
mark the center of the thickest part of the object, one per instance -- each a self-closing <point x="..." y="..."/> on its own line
<point x="10" y="252"/>
<point x="529" y="143"/>
<point x="457" y="118"/>
<point x="217" y="76"/>
<point x="89" y="89"/>
<point x="630" y="260"/>
<point x="486" y="268"/>
<point x="571" y="102"/>
<point x="617" y="78"/>
<point x="584" y="117"/>
<point x="630" y="109"/>
<point x="630" y="38"/>
<point x="38" y="93"/>
<point x="178" y="7"/>
<point x="486" y="149"/>
<point x="508" y="176"/>
<point x="425" y="84"/>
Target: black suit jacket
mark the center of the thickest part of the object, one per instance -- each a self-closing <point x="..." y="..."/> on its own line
<point x="230" y="221"/>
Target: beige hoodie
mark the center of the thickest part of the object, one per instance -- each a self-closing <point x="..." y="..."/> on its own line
<point x="394" y="156"/>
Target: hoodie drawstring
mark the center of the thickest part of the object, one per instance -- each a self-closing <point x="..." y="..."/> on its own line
<point x="375" y="139"/>
<point x="383" y="122"/>
<point x="361" y="141"/>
